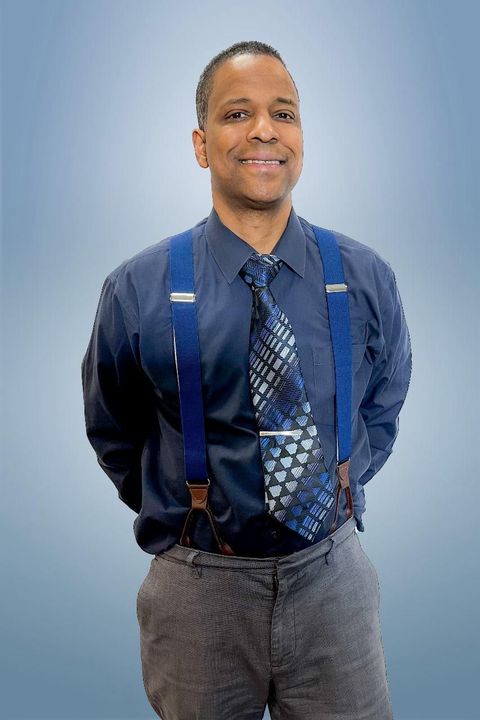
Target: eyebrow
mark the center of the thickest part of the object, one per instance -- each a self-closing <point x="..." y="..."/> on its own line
<point x="233" y="101"/>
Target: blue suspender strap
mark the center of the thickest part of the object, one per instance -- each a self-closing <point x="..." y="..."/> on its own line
<point x="187" y="361"/>
<point x="339" y="320"/>
<point x="187" y="355"/>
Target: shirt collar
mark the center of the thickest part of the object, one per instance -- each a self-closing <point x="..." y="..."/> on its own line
<point x="231" y="252"/>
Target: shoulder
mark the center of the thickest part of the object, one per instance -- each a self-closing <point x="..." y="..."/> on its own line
<point x="153" y="253"/>
<point x="148" y="262"/>
<point x="359" y="259"/>
<point x="144" y="271"/>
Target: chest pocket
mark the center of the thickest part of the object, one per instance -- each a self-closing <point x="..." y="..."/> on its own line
<point x="324" y="375"/>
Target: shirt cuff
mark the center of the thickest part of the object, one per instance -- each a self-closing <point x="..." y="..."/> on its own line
<point x="359" y="523"/>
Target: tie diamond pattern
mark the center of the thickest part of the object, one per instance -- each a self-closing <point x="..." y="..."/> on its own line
<point x="298" y="489"/>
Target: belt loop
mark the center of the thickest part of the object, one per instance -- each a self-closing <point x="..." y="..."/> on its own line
<point x="190" y="560"/>
<point x="332" y="540"/>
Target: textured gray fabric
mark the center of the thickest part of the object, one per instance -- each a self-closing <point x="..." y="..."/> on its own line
<point x="219" y="641"/>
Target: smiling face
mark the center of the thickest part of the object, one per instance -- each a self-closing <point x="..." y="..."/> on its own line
<point x="253" y="113"/>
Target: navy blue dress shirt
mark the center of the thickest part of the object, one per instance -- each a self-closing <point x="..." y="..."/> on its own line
<point x="130" y="390"/>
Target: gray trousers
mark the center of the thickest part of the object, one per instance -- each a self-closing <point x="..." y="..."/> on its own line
<point x="222" y="637"/>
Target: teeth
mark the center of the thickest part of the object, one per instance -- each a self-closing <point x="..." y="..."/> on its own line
<point x="263" y="162"/>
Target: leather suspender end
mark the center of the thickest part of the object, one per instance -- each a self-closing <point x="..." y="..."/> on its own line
<point x="199" y="493"/>
<point x="342" y="472"/>
<point x="343" y="484"/>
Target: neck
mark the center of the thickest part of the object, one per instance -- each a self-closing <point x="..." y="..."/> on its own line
<point x="261" y="229"/>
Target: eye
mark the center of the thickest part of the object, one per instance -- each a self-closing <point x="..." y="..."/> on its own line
<point x="238" y="112"/>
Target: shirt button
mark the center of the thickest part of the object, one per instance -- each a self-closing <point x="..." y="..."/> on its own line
<point x="275" y="534"/>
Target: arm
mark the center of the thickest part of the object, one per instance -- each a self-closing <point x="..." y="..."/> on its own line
<point x="114" y="392"/>
<point x="390" y="379"/>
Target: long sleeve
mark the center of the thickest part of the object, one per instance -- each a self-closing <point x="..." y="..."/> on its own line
<point x="114" y="393"/>
<point x="390" y="379"/>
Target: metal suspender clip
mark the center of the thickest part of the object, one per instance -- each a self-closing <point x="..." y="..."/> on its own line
<point x="182" y="297"/>
<point x="336" y="287"/>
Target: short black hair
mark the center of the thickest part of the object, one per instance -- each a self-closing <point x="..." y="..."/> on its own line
<point x="204" y="87"/>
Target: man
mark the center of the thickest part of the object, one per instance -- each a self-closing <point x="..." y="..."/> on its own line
<point x="289" y="619"/>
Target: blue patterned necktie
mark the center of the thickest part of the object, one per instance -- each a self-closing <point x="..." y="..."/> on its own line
<point x="298" y="489"/>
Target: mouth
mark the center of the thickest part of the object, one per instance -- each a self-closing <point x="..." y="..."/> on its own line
<point x="262" y="162"/>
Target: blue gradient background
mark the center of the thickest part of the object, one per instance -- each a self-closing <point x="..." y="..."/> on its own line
<point x="97" y="163"/>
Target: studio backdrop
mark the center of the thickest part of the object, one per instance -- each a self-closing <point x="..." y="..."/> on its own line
<point x="98" y="106"/>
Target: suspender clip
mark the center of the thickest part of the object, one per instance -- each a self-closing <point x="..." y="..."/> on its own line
<point x="182" y="297"/>
<point x="336" y="287"/>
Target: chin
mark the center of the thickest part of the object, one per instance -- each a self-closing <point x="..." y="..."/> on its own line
<point x="262" y="202"/>
<point x="266" y="197"/>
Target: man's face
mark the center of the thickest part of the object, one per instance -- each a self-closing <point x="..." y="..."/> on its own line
<point x="261" y="125"/>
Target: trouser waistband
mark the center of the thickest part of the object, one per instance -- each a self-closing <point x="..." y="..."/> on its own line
<point x="294" y="561"/>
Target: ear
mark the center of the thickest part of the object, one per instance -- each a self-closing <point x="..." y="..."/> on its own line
<point x="200" y="147"/>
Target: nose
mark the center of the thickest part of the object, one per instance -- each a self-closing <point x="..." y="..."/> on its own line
<point x="262" y="128"/>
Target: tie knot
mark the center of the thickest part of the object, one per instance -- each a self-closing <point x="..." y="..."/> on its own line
<point x="259" y="270"/>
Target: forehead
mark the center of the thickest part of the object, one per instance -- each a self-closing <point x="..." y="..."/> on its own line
<point x="251" y="76"/>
